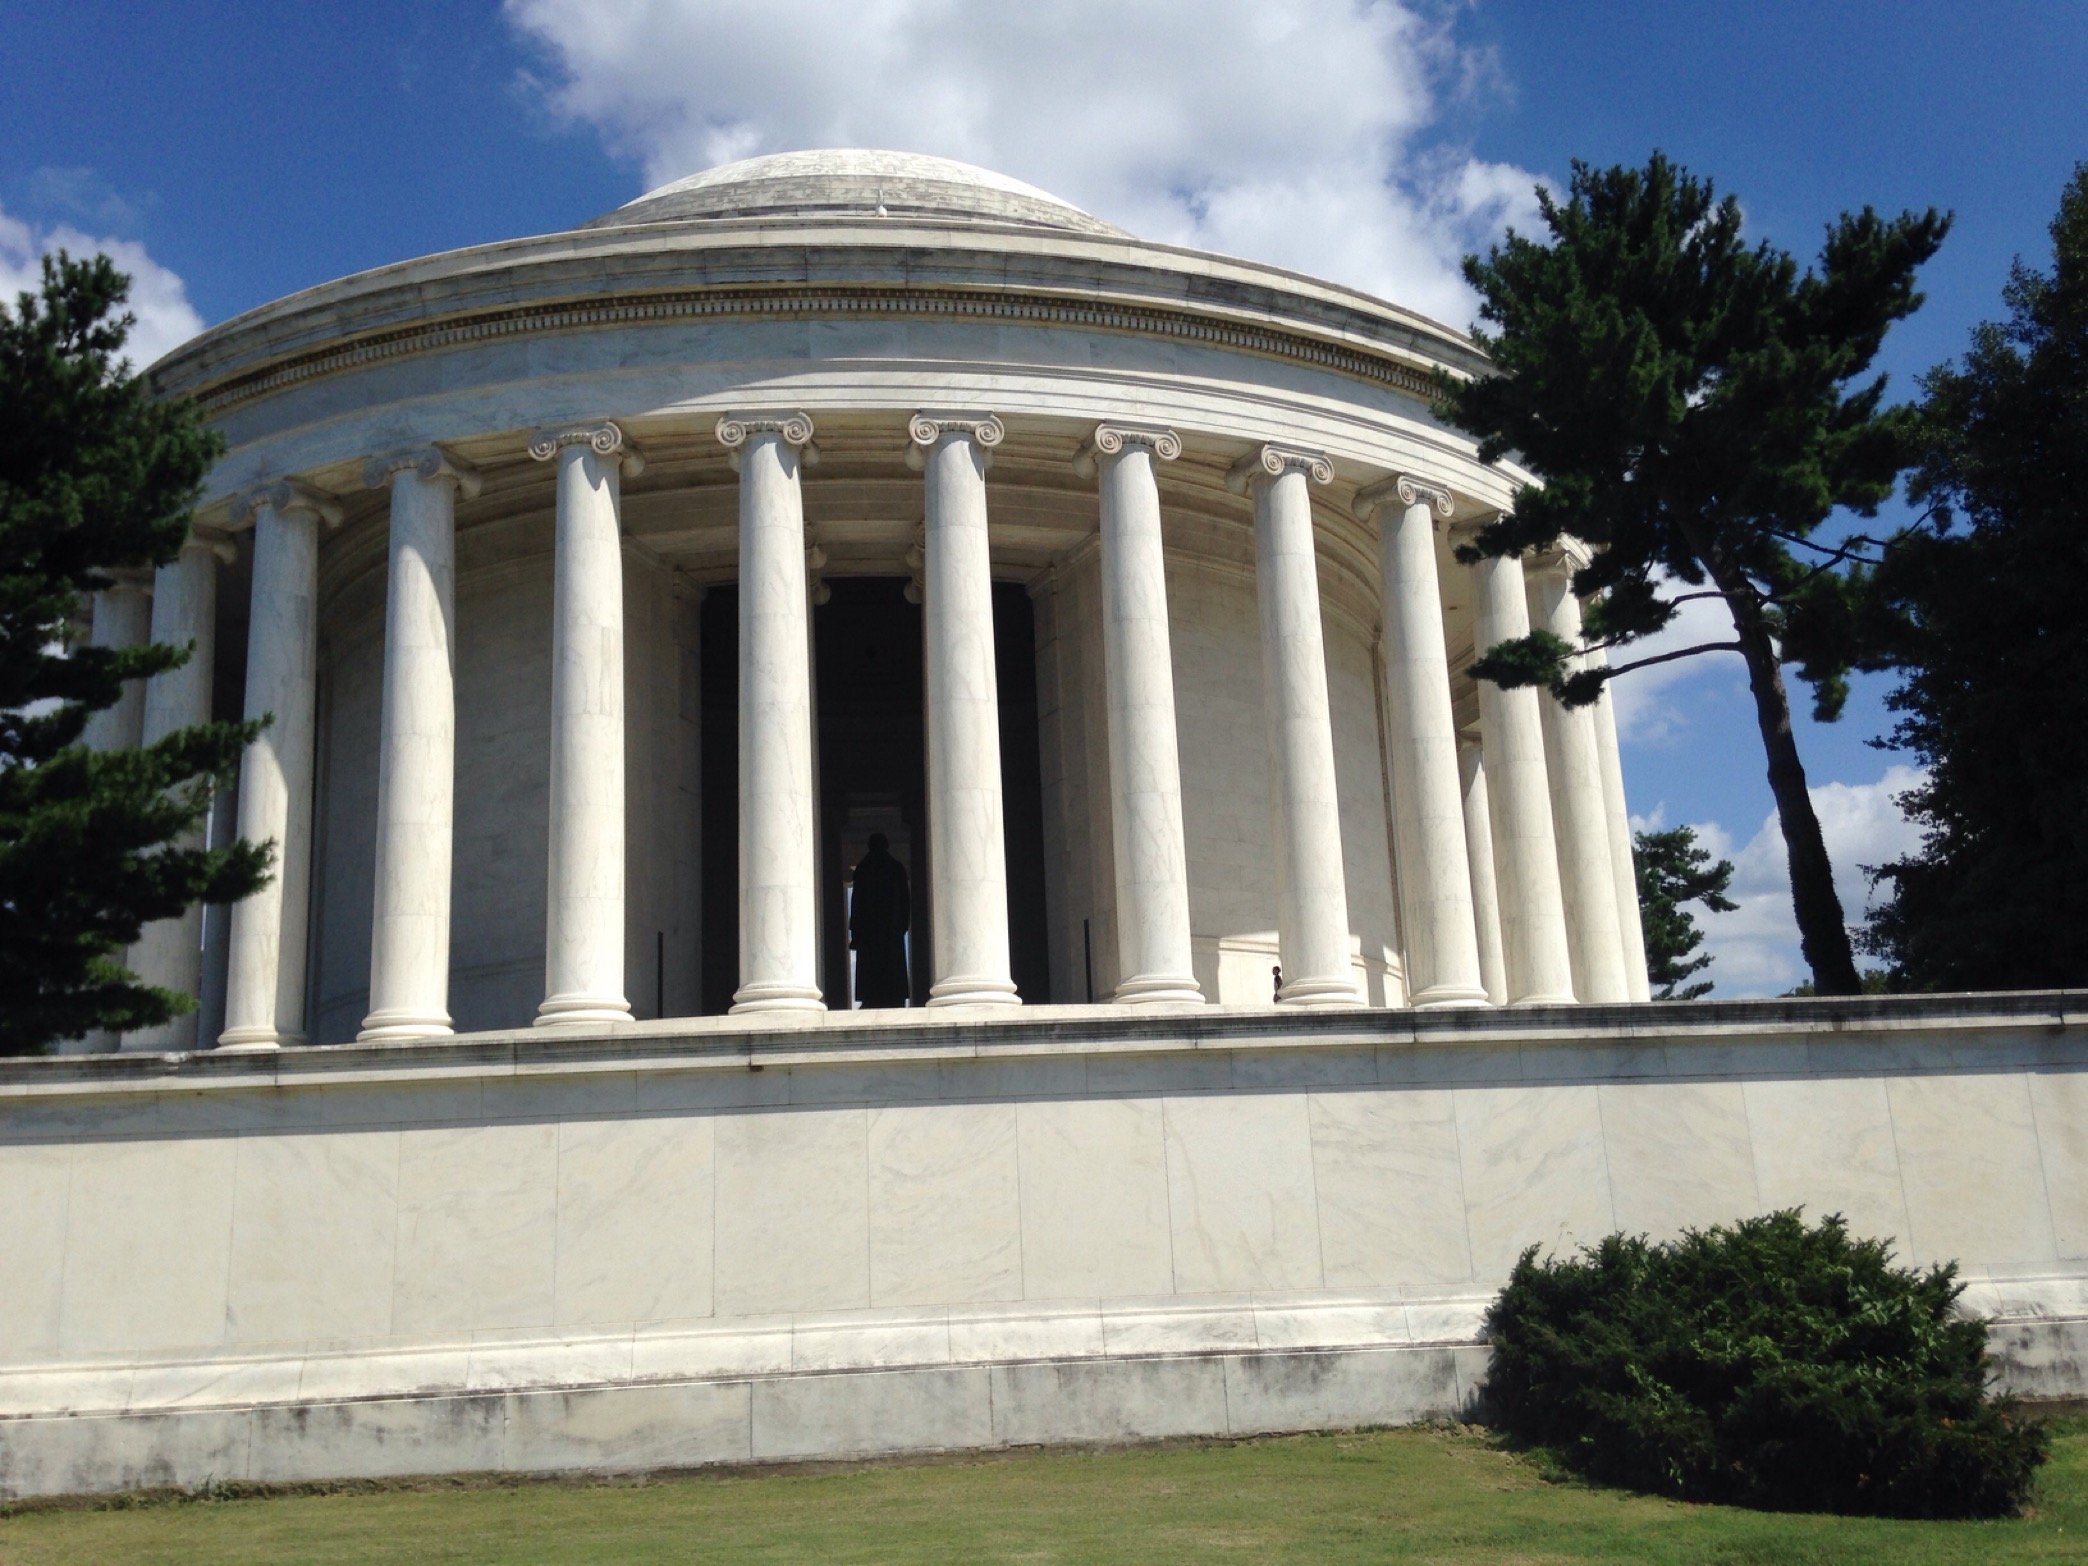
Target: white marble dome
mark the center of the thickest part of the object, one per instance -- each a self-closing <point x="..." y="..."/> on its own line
<point x="851" y="182"/>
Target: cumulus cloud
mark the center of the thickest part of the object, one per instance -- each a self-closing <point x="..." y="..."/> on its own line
<point x="1755" y="948"/>
<point x="1296" y="132"/>
<point x="158" y="298"/>
<point x="1653" y="704"/>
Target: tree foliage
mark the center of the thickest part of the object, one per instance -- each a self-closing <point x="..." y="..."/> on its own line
<point x="1993" y="648"/>
<point x="1673" y="871"/>
<point x="1696" y="408"/>
<point x="1772" y="1363"/>
<point x="96" y="476"/>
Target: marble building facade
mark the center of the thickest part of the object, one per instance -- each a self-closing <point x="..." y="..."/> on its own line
<point x="469" y="496"/>
<point x="1276" y="982"/>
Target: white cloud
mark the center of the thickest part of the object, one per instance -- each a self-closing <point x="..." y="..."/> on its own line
<point x="158" y="297"/>
<point x="1652" y="704"/>
<point x="1755" y="949"/>
<point x="1292" y="131"/>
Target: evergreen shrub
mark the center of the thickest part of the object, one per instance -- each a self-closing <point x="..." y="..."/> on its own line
<point x="1772" y="1363"/>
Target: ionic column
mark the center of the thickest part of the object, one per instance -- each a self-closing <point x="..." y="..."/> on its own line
<point x="779" y="904"/>
<point x="122" y="618"/>
<point x="1428" y="827"/>
<point x="1145" y="771"/>
<point x="1580" y="819"/>
<point x="417" y="746"/>
<point x="169" y="952"/>
<point x="1486" y="892"/>
<point x="1312" y="918"/>
<point x="1623" y="871"/>
<point x="265" y="972"/>
<point x="967" y="845"/>
<point x="584" y="912"/>
<point x="1526" y="853"/>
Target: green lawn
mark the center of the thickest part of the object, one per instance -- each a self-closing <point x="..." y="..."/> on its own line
<point x="1407" y="1495"/>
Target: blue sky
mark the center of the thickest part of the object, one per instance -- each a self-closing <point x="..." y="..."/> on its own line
<point x="230" y="153"/>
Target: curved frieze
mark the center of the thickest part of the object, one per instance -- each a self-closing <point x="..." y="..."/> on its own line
<point x="537" y="319"/>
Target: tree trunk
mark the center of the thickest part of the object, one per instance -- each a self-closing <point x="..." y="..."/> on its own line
<point x="1822" y="935"/>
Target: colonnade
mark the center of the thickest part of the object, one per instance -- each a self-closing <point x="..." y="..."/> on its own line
<point x="1513" y="856"/>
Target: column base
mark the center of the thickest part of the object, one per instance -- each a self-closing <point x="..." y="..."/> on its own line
<point x="402" y="1023"/>
<point x="560" y="1011"/>
<point x="250" y="1040"/>
<point x="772" y="996"/>
<point x="1563" y="998"/>
<point x="1328" y="993"/>
<point x="1159" y="989"/>
<point x="974" y="992"/>
<point x="1445" y="997"/>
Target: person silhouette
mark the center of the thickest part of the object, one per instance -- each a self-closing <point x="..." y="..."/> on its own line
<point x="877" y="922"/>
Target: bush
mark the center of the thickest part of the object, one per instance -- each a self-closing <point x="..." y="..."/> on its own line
<point x="1770" y="1364"/>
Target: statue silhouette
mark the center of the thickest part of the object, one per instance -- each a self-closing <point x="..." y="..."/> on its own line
<point x="877" y="922"/>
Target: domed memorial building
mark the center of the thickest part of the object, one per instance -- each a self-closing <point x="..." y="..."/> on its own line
<point x="847" y="577"/>
<point x="610" y="589"/>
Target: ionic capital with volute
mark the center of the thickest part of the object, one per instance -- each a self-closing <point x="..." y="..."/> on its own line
<point x="794" y="429"/>
<point x="428" y="462"/>
<point x="923" y="430"/>
<point x="285" y="497"/>
<point x="213" y="541"/>
<point x="1273" y="461"/>
<point x="1565" y="554"/>
<point x="605" y="437"/>
<point x="1109" y="440"/>
<point x="1403" y="490"/>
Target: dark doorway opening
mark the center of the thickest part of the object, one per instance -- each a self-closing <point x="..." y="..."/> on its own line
<point x="870" y="758"/>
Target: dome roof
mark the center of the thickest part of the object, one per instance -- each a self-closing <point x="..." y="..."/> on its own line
<point x="854" y="183"/>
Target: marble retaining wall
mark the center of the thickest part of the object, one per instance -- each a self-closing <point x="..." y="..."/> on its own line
<point x="210" y="1243"/>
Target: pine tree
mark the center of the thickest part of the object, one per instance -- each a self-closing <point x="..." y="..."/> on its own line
<point x="1994" y="649"/>
<point x="1674" y="871"/>
<point x="1693" y="408"/>
<point x="96" y="476"/>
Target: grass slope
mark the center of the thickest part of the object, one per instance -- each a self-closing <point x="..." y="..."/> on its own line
<point x="1403" y="1495"/>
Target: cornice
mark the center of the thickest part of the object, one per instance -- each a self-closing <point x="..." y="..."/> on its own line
<point x="1180" y="324"/>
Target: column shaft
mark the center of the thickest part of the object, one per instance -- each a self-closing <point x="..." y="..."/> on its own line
<point x="122" y="618"/>
<point x="169" y="952"/>
<point x="779" y="934"/>
<point x="1312" y="916"/>
<point x="1526" y="854"/>
<point x="1428" y="826"/>
<point x="584" y="913"/>
<point x="265" y="979"/>
<point x="1145" y="773"/>
<point x="416" y="756"/>
<point x="967" y="853"/>
<point x="1623" y="870"/>
<point x="1486" y="891"/>
<point x="1580" y="819"/>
